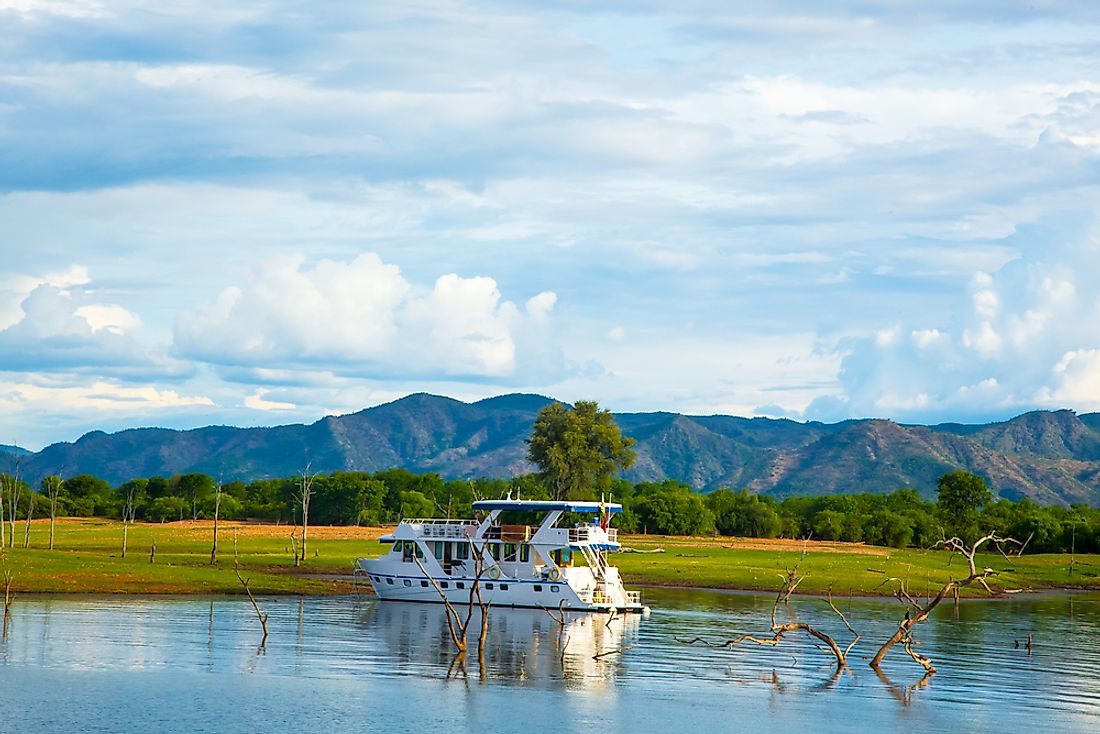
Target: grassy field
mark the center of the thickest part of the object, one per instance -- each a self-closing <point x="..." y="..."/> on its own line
<point x="87" y="559"/>
<point x="847" y="568"/>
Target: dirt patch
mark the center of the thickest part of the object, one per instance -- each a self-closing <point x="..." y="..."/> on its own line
<point x="764" y="544"/>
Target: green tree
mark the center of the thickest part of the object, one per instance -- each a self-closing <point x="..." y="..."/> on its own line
<point x="960" y="497"/>
<point x="578" y="450"/>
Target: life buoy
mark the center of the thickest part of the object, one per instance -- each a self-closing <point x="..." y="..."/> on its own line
<point x="555" y="574"/>
<point x="494" y="573"/>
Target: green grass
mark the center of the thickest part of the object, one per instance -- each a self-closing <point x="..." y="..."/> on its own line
<point x="87" y="559"/>
<point x="848" y="569"/>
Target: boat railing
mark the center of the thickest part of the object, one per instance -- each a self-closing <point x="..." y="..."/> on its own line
<point x="634" y="597"/>
<point x="442" y="528"/>
<point x="588" y="534"/>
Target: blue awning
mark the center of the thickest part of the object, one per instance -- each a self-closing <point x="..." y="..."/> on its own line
<point x="548" y="506"/>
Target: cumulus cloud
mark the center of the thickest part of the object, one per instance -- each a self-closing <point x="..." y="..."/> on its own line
<point x="364" y="318"/>
<point x="64" y="330"/>
<point x="1025" y="336"/>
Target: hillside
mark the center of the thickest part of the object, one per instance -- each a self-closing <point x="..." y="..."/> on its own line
<point x="1051" y="457"/>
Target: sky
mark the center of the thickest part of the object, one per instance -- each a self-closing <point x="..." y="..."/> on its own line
<point x="257" y="213"/>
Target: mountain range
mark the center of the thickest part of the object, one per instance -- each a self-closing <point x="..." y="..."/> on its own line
<point x="1048" y="456"/>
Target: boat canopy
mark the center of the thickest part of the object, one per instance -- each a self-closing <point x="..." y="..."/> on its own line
<point x="611" y="508"/>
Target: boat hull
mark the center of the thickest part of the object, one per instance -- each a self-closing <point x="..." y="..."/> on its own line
<point x="502" y="592"/>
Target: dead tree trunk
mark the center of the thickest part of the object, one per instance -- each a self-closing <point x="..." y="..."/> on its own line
<point x="127" y="515"/>
<point x="10" y="493"/>
<point x="456" y="624"/>
<point x="305" y="493"/>
<point x="217" y="510"/>
<point x="52" y="485"/>
<point x="915" y="612"/>
<point x="27" y="527"/>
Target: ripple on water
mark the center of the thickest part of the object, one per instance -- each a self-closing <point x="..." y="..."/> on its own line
<point x="635" y="665"/>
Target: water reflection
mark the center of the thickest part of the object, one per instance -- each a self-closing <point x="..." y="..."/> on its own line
<point x="617" y="673"/>
<point x="521" y="644"/>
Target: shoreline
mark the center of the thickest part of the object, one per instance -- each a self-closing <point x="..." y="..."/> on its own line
<point x="87" y="559"/>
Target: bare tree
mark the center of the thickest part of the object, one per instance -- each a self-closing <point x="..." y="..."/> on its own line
<point x="128" y="513"/>
<point x="217" y="510"/>
<point x="916" y="612"/>
<point x="305" y="493"/>
<point x="779" y="630"/>
<point x="456" y="623"/>
<point x="244" y="582"/>
<point x="52" y="485"/>
<point x="13" y="482"/>
<point x="30" y="516"/>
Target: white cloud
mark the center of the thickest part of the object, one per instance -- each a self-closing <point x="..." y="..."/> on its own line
<point x="99" y="395"/>
<point x="256" y="401"/>
<point x="361" y="317"/>
<point x="1028" y="336"/>
<point x="62" y="330"/>
<point x="15" y="288"/>
<point x="112" y="317"/>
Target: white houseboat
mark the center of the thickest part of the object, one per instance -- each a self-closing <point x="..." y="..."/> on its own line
<point x="522" y="565"/>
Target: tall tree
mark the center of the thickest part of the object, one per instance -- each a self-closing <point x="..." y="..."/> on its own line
<point x="578" y="450"/>
<point x="960" y="496"/>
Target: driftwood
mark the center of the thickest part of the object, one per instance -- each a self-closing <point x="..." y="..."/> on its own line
<point x="916" y="612"/>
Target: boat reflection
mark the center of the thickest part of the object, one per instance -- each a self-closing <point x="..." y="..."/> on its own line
<point x="520" y="644"/>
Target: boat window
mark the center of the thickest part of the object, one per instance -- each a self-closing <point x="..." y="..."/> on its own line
<point x="419" y="550"/>
<point x="389" y="581"/>
<point x="460" y="585"/>
<point x="524" y="553"/>
<point x="443" y="584"/>
<point x="489" y="586"/>
<point x="396" y="547"/>
<point x="509" y="553"/>
<point x="554" y="589"/>
<point x="538" y="587"/>
<point x="407" y="551"/>
<point x="424" y="584"/>
<point x="461" y="551"/>
<point x="408" y="583"/>
<point x="504" y="587"/>
<point x="438" y="549"/>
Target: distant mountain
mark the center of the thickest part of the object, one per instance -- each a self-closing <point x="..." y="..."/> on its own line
<point x="1051" y="457"/>
<point x="10" y="450"/>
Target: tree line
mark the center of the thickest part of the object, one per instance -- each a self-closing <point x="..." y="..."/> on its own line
<point x="964" y="507"/>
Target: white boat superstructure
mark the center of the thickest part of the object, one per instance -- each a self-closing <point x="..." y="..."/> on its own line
<point x="537" y="564"/>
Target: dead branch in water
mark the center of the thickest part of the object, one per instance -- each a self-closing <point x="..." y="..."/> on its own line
<point x="456" y="623"/>
<point x="244" y="582"/>
<point x="791" y="581"/>
<point x="616" y="651"/>
<point x="8" y="596"/>
<point x="916" y="612"/>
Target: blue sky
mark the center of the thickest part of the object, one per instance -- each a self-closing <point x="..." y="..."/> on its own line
<point x="255" y="213"/>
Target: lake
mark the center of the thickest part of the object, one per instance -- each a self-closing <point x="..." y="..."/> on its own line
<point x="334" y="664"/>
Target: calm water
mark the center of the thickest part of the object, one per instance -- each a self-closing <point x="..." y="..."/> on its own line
<point x="348" y="664"/>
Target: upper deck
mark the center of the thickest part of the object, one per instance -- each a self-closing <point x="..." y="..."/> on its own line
<point x="589" y="508"/>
